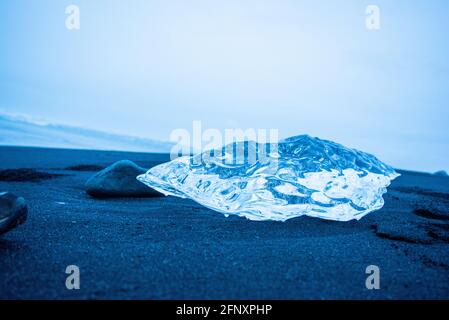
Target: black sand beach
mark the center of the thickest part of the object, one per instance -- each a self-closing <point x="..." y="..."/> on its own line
<point x="169" y="248"/>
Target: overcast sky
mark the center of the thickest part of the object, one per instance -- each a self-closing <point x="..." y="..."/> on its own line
<point x="146" y="68"/>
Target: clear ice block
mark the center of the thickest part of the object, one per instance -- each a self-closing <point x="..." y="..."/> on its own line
<point x="297" y="176"/>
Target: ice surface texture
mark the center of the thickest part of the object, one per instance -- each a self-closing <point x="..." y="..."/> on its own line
<point x="297" y="176"/>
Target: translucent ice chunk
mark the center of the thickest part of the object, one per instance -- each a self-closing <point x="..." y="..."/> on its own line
<point x="298" y="176"/>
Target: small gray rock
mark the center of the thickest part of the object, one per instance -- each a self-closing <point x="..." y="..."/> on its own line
<point x="119" y="181"/>
<point x="13" y="211"/>
<point x="441" y="173"/>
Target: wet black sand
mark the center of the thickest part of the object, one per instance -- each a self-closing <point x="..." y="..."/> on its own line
<point x="169" y="248"/>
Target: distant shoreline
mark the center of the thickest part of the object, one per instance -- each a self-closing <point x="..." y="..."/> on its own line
<point x="80" y="149"/>
<point x="401" y="171"/>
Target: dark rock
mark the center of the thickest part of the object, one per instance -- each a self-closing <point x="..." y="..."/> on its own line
<point x="441" y="173"/>
<point x="25" y="175"/>
<point x="13" y="211"/>
<point x="119" y="181"/>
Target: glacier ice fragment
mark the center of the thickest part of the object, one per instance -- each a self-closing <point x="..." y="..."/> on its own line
<point x="298" y="176"/>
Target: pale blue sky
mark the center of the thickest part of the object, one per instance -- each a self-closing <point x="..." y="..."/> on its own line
<point x="144" y="68"/>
